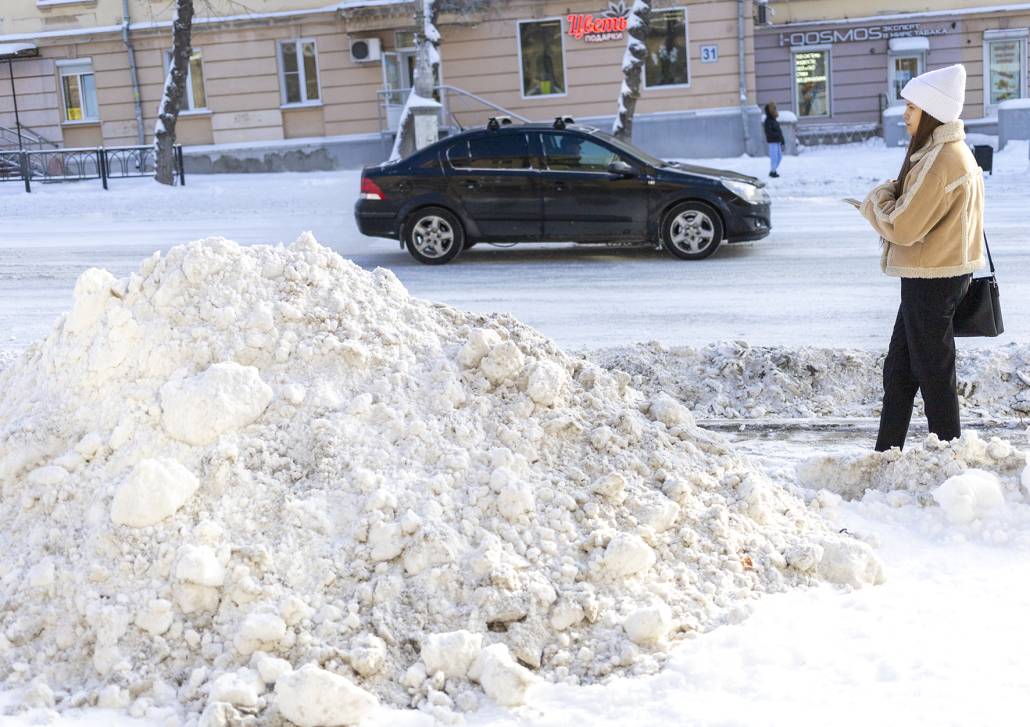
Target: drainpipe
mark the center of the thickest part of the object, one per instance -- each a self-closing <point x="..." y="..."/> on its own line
<point x="133" y="73"/>
<point x="741" y="49"/>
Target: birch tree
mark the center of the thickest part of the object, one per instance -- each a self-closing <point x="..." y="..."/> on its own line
<point x="174" y="92"/>
<point x="632" y="68"/>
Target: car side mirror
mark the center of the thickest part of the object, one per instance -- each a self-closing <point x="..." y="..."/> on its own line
<point x="622" y="169"/>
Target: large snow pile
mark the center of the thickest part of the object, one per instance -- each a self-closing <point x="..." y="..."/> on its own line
<point x="933" y="471"/>
<point x="263" y="480"/>
<point x="737" y="380"/>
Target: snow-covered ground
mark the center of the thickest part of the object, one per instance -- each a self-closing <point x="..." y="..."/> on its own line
<point x="942" y="642"/>
<point x="814" y="281"/>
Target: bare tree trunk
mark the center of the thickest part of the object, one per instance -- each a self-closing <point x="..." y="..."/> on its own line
<point x="175" y="91"/>
<point x="632" y="69"/>
<point x="431" y="14"/>
<point x="421" y="94"/>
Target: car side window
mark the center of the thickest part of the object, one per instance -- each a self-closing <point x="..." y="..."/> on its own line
<point x="573" y="153"/>
<point x="458" y="154"/>
<point x="499" y="151"/>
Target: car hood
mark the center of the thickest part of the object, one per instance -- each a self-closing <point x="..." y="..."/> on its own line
<point x="696" y="171"/>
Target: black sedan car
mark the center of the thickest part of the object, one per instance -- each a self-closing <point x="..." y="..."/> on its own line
<point x="559" y="182"/>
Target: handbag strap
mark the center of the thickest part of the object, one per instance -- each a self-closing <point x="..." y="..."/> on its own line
<point x="988" y="247"/>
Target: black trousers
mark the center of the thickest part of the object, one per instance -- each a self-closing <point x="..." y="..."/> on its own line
<point x="921" y="358"/>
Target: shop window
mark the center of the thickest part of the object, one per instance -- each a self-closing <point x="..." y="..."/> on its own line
<point x="195" y="99"/>
<point x="500" y="151"/>
<point x="542" y="58"/>
<point x="1005" y="58"/>
<point x="79" y="88"/>
<point x="667" y="62"/>
<point x="811" y="70"/>
<point x="298" y="66"/>
<point x="572" y="153"/>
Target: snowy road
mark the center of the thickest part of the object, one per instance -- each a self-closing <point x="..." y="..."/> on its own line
<point x="814" y="281"/>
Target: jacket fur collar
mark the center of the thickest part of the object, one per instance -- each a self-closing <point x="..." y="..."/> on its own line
<point x="951" y="131"/>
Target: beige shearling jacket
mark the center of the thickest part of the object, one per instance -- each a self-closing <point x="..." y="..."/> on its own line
<point x="935" y="229"/>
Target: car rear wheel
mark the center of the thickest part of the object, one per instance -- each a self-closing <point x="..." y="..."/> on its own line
<point x="433" y="235"/>
<point x="692" y="231"/>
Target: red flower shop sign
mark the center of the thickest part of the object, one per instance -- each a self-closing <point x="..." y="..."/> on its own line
<point x="608" y="26"/>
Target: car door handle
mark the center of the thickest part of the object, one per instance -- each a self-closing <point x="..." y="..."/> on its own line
<point x="469" y="184"/>
<point x="559" y="186"/>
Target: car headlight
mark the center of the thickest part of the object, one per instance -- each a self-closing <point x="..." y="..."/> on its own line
<point x="747" y="192"/>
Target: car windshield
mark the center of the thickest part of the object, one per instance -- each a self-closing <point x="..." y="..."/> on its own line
<point x="631" y="150"/>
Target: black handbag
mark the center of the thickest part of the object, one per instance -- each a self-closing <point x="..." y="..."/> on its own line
<point x="979" y="312"/>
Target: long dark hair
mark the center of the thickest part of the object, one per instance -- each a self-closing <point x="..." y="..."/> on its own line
<point x="927" y="125"/>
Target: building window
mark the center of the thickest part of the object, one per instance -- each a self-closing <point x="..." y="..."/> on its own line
<point x="811" y="69"/>
<point x="195" y="99"/>
<point x="903" y="69"/>
<point x="79" y="89"/>
<point x="667" y="62"/>
<point x="542" y="58"/>
<point x="298" y="66"/>
<point x="1005" y="61"/>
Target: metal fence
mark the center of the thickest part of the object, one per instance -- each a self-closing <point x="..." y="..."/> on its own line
<point x="69" y="165"/>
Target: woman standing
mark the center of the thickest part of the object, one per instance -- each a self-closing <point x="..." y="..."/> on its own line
<point x="773" y="137"/>
<point x="931" y="224"/>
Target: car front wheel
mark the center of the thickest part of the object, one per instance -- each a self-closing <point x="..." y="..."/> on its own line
<point x="692" y="231"/>
<point x="433" y="235"/>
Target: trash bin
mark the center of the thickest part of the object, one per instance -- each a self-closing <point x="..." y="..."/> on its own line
<point x="984" y="155"/>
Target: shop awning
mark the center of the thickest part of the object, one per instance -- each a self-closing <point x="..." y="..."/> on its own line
<point x="17" y="50"/>
<point x="914" y="44"/>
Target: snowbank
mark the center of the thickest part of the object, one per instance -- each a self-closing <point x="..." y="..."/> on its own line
<point x="241" y="476"/>
<point x="933" y="471"/>
<point x="738" y="381"/>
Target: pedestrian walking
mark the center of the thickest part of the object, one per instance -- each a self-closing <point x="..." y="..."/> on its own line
<point x="930" y="220"/>
<point x="773" y="137"/>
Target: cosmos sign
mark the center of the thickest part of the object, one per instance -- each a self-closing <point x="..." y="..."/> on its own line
<point x="858" y="35"/>
<point x="610" y="25"/>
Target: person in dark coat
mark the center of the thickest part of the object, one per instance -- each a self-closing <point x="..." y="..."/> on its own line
<point x="773" y="137"/>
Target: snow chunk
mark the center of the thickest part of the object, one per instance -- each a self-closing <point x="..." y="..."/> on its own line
<point x="969" y="496"/>
<point x="199" y="565"/>
<point x="627" y="555"/>
<point x="153" y="491"/>
<point x="503" y="363"/>
<point x="257" y="630"/>
<point x="670" y="412"/>
<point x="451" y="653"/>
<point x="546" y="380"/>
<point x="479" y="343"/>
<point x="223" y="398"/>
<point x="241" y="688"/>
<point x="156" y="618"/>
<point x="850" y="562"/>
<point x="92" y="294"/>
<point x="502" y="679"/>
<point x="314" y="697"/>
<point x="648" y="626"/>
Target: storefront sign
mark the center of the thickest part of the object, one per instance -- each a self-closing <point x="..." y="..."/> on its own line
<point x="608" y="26"/>
<point x="858" y="35"/>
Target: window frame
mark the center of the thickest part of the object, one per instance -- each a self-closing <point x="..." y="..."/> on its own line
<point x="533" y="165"/>
<point x="284" y="103"/>
<point x="189" y="83"/>
<point x="686" y="35"/>
<point x="564" y="65"/>
<point x="828" y="49"/>
<point x="61" y="65"/>
<point x="892" y="57"/>
<point x="1022" y="35"/>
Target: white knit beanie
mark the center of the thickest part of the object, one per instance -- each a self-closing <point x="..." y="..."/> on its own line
<point x="940" y="93"/>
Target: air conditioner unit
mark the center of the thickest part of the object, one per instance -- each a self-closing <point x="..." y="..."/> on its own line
<point x="365" y="50"/>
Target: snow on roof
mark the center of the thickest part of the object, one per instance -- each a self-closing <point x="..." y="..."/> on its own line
<point x="13" y="49"/>
<point x="913" y="43"/>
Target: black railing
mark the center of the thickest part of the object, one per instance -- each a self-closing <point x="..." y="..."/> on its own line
<point x="69" y="165"/>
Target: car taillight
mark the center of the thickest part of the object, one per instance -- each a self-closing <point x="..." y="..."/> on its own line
<point x="371" y="190"/>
